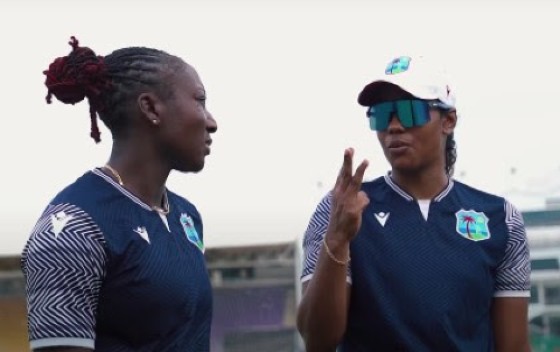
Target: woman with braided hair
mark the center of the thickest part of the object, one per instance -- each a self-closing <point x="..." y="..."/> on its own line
<point x="115" y="262"/>
<point x="413" y="260"/>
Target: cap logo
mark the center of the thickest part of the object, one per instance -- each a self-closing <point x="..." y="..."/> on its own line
<point x="398" y="65"/>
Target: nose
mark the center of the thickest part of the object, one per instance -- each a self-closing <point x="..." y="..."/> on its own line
<point x="395" y="125"/>
<point x="211" y="124"/>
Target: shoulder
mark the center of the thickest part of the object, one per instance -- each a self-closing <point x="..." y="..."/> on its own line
<point x="89" y="193"/>
<point x="182" y="204"/>
<point x="82" y="187"/>
<point x="493" y="205"/>
<point x="68" y="221"/>
<point x="377" y="189"/>
<point x="475" y="195"/>
<point x="74" y="206"/>
<point x="93" y="203"/>
<point x="378" y="182"/>
<point x="67" y="235"/>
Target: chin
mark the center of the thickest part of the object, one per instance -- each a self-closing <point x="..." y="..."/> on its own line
<point x="198" y="168"/>
<point x="404" y="166"/>
<point x="190" y="166"/>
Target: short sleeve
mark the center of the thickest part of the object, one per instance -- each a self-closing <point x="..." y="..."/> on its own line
<point x="513" y="273"/>
<point x="313" y="238"/>
<point x="64" y="265"/>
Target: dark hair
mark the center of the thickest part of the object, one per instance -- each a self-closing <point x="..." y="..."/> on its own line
<point x="450" y="154"/>
<point x="109" y="83"/>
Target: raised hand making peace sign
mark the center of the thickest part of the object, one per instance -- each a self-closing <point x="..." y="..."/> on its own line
<point x="348" y="200"/>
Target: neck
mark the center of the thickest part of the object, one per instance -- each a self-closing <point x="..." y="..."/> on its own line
<point x="426" y="184"/>
<point x="142" y="171"/>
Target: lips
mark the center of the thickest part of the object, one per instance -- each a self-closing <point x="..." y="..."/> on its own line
<point x="208" y="143"/>
<point x="394" y="144"/>
<point x="397" y="147"/>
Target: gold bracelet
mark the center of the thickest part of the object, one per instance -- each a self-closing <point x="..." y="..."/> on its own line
<point x="337" y="261"/>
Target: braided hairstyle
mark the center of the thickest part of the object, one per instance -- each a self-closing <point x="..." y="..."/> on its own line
<point x="450" y="154"/>
<point x="110" y="84"/>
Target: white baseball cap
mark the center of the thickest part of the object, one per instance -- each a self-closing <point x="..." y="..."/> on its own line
<point x="416" y="75"/>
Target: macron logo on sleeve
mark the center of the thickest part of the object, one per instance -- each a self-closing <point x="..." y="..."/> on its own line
<point x="59" y="221"/>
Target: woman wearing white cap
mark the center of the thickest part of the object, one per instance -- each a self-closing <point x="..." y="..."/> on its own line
<point x="413" y="260"/>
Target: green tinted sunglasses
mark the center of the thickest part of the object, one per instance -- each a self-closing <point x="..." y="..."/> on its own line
<point x="411" y="113"/>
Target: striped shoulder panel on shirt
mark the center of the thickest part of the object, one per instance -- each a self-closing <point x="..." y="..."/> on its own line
<point x="64" y="263"/>
<point x="513" y="273"/>
<point x="313" y="238"/>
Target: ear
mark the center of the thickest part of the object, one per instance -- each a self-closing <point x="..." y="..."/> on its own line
<point x="151" y="107"/>
<point x="449" y="121"/>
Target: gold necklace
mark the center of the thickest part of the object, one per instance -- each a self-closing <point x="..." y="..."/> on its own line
<point x="115" y="174"/>
<point x="162" y="211"/>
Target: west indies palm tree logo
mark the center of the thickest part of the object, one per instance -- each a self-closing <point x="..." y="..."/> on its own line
<point x="190" y="231"/>
<point x="472" y="225"/>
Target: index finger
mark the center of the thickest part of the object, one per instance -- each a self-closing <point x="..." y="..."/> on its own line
<point x="345" y="174"/>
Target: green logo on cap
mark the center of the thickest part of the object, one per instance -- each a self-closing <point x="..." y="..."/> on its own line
<point x="398" y="65"/>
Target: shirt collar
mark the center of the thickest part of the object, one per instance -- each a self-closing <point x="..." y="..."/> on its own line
<point x="389" y="180"/>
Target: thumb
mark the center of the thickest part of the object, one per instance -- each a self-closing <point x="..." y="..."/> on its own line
<point x="363" y="199"/>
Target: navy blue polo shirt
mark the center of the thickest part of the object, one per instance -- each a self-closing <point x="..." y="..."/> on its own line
<point x="424" y="273"/>
<point x="104" y="270"/>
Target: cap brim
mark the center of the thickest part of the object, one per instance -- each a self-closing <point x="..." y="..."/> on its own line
<point x="380" y="91"/>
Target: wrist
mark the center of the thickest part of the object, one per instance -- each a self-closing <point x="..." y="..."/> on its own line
<point x="337" y="250"/>
<point x="337" y="241"/>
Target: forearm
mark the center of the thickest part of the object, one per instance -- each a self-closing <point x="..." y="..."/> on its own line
<point x="509" y="318"/>
<point x="323" y="310"/>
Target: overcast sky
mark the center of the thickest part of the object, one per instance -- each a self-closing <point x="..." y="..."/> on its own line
<point x="282" y="79"/>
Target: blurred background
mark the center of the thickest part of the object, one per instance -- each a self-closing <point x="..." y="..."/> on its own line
<point x="282" y="79"/>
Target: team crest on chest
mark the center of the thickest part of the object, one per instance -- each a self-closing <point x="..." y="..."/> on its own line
<point x="192" y="235"/>
<point x="472" y="225"/>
